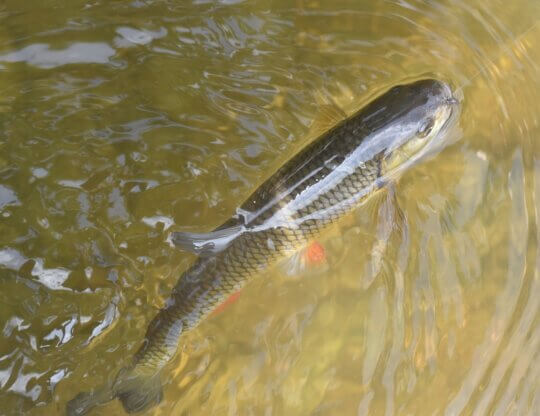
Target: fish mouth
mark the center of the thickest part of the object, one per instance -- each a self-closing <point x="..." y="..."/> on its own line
<point x="453" y="104"/>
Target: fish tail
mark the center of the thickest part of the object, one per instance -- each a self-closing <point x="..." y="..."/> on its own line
<point x="83" y="402"/>
<point x="138" y="390"/>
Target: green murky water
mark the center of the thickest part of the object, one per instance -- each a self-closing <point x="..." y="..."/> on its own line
<point x="120" y="121"/>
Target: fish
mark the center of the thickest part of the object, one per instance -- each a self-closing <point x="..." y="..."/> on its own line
<point x="330" y="177"/>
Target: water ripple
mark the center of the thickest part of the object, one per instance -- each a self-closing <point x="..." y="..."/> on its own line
<point x="121" y="120"/>
<point x="42" y="56"/>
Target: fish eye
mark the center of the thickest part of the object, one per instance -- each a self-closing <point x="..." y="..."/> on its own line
<point x="426" y="128"/>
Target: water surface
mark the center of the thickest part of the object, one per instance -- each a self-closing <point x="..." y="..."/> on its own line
<point x="120" y="121"/>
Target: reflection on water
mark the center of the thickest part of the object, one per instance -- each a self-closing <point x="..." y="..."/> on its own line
<point x="121" y="121"/>
<point x="41" y="56"/>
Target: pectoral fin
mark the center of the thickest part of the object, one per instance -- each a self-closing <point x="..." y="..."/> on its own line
<point x="390" y="217"/>
<point x="206" y="243"/>
<point x="310" y="259"/>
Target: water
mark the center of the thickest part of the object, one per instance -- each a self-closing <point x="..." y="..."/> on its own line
<point x="121" y="121"/>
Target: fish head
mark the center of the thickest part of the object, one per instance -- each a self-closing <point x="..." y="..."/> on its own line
<point x="417" y="116"/>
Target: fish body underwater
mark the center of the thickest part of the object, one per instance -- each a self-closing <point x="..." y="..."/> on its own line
<point x="329" y="178"/>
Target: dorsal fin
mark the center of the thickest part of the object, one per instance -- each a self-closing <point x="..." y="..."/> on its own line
<point x="205" y="244"/>
<point x="328" y="115"/>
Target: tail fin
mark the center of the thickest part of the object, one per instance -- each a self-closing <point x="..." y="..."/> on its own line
<point x="84" y="402"/>
<point x="138" y="391"/>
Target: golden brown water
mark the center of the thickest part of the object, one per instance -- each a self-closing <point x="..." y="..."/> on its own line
<point x="120" y="120"/>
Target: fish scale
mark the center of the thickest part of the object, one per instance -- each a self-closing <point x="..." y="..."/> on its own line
<point x="248" y="254"/>
<point x="326" y="180"/>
